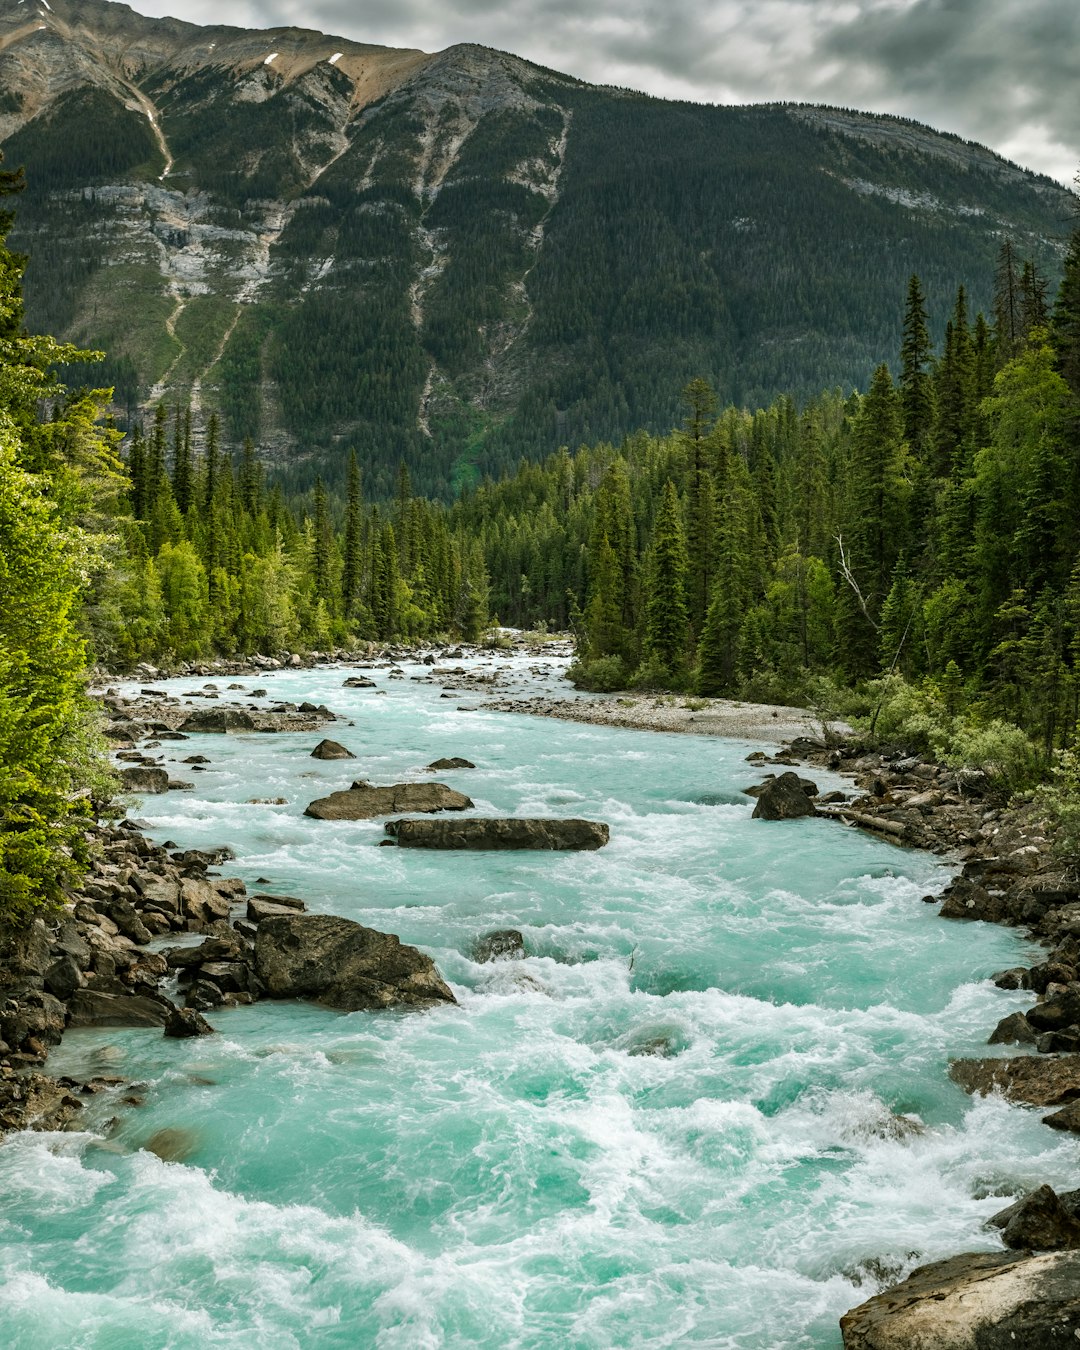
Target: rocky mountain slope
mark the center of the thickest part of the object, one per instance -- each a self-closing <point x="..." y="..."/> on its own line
<point x="459" y="257"/>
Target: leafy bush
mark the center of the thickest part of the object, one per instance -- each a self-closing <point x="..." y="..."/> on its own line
<point x="602" y="675"/>
<point x="655" y="677"/>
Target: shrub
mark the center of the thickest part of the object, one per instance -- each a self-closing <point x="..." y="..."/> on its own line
<point x="602" y="675"/>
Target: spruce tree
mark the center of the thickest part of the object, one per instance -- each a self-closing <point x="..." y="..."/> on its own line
<point x="352" y="572"/>
<point x="666" y="620"/>
<point x="916" y="386"/>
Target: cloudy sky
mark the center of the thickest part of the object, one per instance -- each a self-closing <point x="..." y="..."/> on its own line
<point x="1003" y="72"/>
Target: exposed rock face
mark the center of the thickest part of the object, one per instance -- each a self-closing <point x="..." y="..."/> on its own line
<point x="783" y="798"/>
<point x="141" y="778"/>
<point x="499" y="833"/>
<point x="362" y="801"/>
<point x="343" y="964"/>
<point x="328" y="749"/>
<point x="218" y="720"/>
<point x="981" y="1301"/>
<point x="1039" y="1080"/>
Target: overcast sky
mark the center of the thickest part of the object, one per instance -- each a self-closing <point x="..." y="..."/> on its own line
<point x="1003" y="72"/>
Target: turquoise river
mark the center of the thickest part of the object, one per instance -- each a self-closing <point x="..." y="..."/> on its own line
<point x="672" y="1124"/>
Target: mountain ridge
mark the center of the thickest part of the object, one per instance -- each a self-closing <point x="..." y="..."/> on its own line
<point x="457" y="257"/>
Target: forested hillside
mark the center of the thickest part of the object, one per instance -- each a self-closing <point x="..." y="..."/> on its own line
<point x="458" y="259"/>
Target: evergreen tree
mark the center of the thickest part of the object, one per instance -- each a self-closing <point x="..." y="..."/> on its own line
<point x="352" y="572"/>
<point x="916" y="386"/>
<point x="666" y="620"/>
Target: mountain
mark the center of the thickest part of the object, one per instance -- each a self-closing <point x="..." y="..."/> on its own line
<point x="461" y="258"/>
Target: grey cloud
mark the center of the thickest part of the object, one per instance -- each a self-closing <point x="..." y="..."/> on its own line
<point x="1004" y="72"/>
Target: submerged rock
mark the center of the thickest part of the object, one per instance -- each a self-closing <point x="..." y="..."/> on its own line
<point x="979" y="1301"/>
<point x="506" y="944"/>
<point x="500" y="833"/>
<point x="327" y="749"/>
<point x="783" y="798"/>
<point x="362" y="801"/>
<point x="343" y="965"/>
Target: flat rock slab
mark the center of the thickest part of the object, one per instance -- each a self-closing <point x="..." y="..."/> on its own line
<point x="362" y="801"/>
<point x="500" y="833"/>
<point x="343" y="965"/>
<point x="91" y="1008"/>
<point x="980" y="1301"/>
<point x="1037" y="1080"/>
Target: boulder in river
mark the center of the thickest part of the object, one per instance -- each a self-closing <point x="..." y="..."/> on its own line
<point x="1038" y="1222"/>
<point x="343" y="965"/>
<point x="92" y="1008"/>
<point x="184" y="1023"/>
<point x="500" y="833"/>
<point x="328" y="749"/>
<point x="359" y="682"/>
<point x="506" y="944"/>
<point x="363" y="801"/>
<point x="978" y="1301"/>
<point x="141" y="778"/>
<point x="783" y="798"/>
<point x="454" y="762"/>
<point x="218" y="720"/>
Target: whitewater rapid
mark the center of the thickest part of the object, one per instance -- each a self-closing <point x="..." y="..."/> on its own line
<point x="675" y="1123"/>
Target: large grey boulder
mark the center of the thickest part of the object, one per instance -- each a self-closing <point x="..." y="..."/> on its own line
<point x="783" y="798"/>
<point x="343" y="965"/>
<point x="142" y="778"/>
<point x="362" y="801"/>
<point x="500" y="833"/>
<point x="979" y="1301"/>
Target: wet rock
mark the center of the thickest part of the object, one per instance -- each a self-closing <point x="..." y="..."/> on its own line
<point x="172" y="1145"/>
<point x="1032" y="1079"/>
<point x="218" y="720"/>
<point x="979" y="1301"/>
<point x="1039" y="1222"/>
<point x="362" y="801"/>
<point x="63" y="977"/>
<point x="184" y="1023"/>
<point x="1013" y="1030"/>
<point x="783" y="798"/>
<point x="1017" y="977"/>
<point x="506" y="944"/>
<point x="92" y="1008"/>
<point x="1068" y="1118"/>
<point x="203" y="995"/>
<point x="440" y="765"/>
<point x="499" y="833"/>
<point x="343" y="964"/>
<point x="140" y="778"/>
<point x="967" y="900"/>
<point x="358" y="682"/>
<point x="260" y="907"/>
<point x="1057" y="1013"/>
<point x="327" y="749"/>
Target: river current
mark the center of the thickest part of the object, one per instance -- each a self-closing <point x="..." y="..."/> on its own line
<point x="673" y="1124"/>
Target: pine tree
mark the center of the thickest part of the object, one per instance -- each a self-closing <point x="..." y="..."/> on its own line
<point x="352" y="573"/>
<point x="666" y="620"/>
<point x="320" y="547"/>
<point x="916" y="386"/>
<point x="1009" y="329"/>
<point x="1065" y="323"/>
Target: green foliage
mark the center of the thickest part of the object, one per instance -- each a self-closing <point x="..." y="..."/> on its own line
<point x="602" y="674"/>
<point x="1060" y="799"/>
